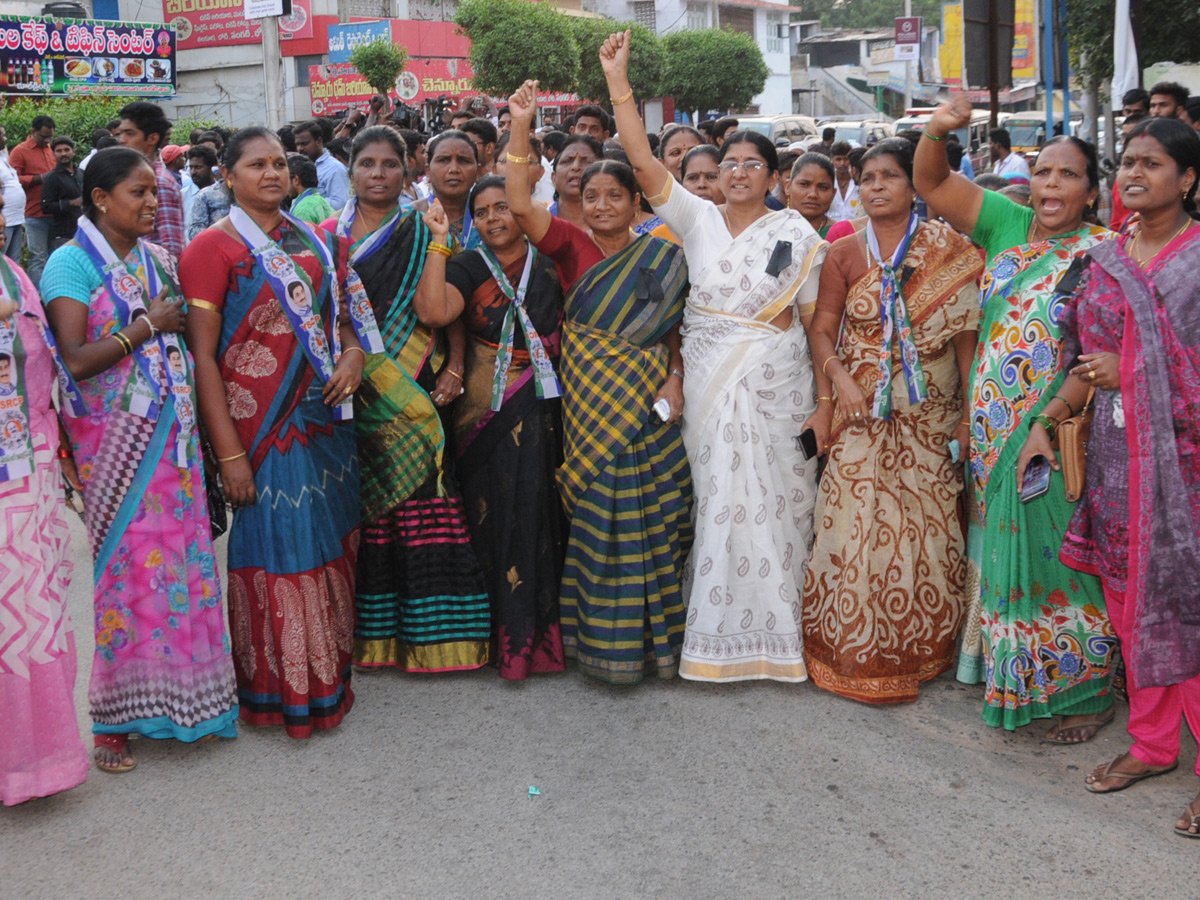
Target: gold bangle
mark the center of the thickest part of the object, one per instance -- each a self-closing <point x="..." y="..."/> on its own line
<point x="435" y="247"/>
<point x="231" y="458"/>
<point x="450" y="371"/>
<point x="359" y="349"/>
<point x="521" y="160"/>
<point x="622" y="98"/>
<point x="123" y="341"/>
<point x="819" y="399"/>
<point x="825" y="365"/>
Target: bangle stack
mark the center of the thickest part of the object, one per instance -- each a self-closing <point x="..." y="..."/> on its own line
<point x="123" y="341"/>
<point x="519" y="160"/>
<point x="1047" y="422"/>
<point x="829" y="399"/>
<point x="442" y="249"/>
<point x="622" y="98"/>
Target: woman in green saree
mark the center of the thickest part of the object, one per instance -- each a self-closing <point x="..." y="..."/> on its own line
<point x="1039" y="637"/>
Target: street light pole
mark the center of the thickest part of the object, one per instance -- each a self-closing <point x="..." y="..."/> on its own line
<point x="272" y="72"/>
<point x="908" y="84"/>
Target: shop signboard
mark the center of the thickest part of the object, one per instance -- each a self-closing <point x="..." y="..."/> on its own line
<point x="344" y="38"/>
<point x="84" y="56"/>
<point x="223" y="23"/>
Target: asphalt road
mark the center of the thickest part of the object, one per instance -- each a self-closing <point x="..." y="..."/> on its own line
<point x="665" y="790"/>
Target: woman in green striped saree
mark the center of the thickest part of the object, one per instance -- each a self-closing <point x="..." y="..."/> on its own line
<point x="625" y="483"/>
<point x="420" y="601"/>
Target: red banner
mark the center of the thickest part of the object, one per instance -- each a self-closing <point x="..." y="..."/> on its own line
<point x="222" y="23"/>
<point x="339" y="87"/>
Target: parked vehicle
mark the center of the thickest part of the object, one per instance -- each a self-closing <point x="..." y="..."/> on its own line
<point x="782" y="130"/>
<point x="1028" y="131"/>
<point x="860" y="132"/>
<point x="973" y="137"/>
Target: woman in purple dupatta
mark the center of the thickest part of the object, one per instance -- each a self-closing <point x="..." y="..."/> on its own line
<point x="1132" y="332"/>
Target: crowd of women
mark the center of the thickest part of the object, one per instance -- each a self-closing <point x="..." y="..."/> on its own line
<point x="659" y="427"/>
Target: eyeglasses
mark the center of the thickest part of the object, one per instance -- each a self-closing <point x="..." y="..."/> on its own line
<point x="748" y="165"/>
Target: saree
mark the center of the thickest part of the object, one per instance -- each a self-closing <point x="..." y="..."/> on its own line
<point x="1036" y="632"/>
<point x="41" y="752"/>
<point x="162" y="664"/>
<point x="292" y="554"/>
<point x="748" y="391"/>
<point x="884" y="592"/>
<point x="421" y="604"/>
<point x="1136" y="525"/>
<point x="506" y="461"/>
<point x="625" y="483"/>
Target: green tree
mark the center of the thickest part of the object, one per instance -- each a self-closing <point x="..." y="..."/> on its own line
<point x="512" y="40"/>
<point x="645" y="60"/>
<point x="78" y="117"/>
<point x="1170" y="32"/>
<point x="712" y="69"/>
<point x="380" y="62"/>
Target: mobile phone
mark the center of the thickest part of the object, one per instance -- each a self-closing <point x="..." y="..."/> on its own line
<point x="1037" y="479"/>
<point x="662" y="409"/>
<point x="806" y="443"/>
<point x="955" y="451"/>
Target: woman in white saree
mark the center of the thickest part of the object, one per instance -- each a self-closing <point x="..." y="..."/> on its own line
<point x="750" y="391"/>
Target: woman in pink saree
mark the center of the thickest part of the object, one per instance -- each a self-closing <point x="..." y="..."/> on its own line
<point x="1132" y="332"/>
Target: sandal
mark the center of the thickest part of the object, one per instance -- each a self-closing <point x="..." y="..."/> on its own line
<point x="107" y="746"/>
<point x="1130" y="779"/>
<point x="1087" y="726"/>
<point x="1192" y="812"/>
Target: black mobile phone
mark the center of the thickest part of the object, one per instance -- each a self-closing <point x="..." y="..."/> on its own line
<point x="806" y="443"/>
<point x="1037" y="479"/>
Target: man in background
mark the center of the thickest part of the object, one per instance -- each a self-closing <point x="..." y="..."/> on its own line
<point x="145" y="128"/>
<point x="33" y="159"/>
<point x="1007" y="164"/>
<point x="62" y="196"/>
<point x="1167" y="99"/>
<point x="846" y="202"/>
<point x="333" y="179"/>
<point x="13" y="203"/>
<point x="307" y="204"/>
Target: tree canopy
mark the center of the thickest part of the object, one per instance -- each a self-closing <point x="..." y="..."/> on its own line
<point x="1170" y="33"/>
<point x="645" y="58"/>
<point x="512" y="40"/>
<point x="380" y="62"/>
<point x="712" y="69"/>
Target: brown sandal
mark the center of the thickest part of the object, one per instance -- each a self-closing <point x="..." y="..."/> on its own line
<point x="119" y="745"/>
<point x="1090" y="725"/>
<point x="1130" y="779"/>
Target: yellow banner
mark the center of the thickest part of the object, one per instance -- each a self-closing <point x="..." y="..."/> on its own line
<point x="1024" y="57"/>
<point x="950" y="53"/>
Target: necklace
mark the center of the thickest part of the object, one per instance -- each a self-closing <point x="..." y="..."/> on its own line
<point x="729" y="225"/>
<point x="632" y="234"/>
<point x="1137" y="237"/>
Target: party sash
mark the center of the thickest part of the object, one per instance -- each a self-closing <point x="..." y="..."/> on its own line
<point x="546" y="382"/>
<point x="376" y="239"/>
<point x="159" y="361"/>
<point x="470" y="235"/>
<point x="894" y="319"/>
<point x="297" y="296"/>
<point x="16" y="440"/>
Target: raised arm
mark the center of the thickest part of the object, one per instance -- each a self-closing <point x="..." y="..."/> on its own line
<point x="651" y="174"/>
<point x="533" y="218"/>
<point x="957" y="200"/>
<point x="436" y="302"/>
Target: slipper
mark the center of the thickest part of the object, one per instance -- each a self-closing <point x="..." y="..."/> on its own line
<point x="1094" y="723"/>
<point x="119" y="744"/>
<point x="1131" y="780"/>
<point x="1192" y="811"/>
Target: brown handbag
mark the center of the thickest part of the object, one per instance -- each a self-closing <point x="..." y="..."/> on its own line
<point x="1071" y="436"/>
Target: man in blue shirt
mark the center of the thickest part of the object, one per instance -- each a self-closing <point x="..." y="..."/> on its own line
<point x="333" y="181"/>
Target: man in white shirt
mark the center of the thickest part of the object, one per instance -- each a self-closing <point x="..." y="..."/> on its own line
<point x="1007" y="164"/>
<point x="333" y="180"/>
<point x="846" y="204"/>
<point x="14" y="203"/>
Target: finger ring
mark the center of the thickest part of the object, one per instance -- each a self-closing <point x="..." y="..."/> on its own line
<point x="858" y="415"/>
<point x="348" y="390"/>
<point x="1092" y="374"/>
<point x="1090" y="367"/>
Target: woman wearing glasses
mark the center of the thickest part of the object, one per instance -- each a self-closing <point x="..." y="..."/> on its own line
<point x="749" y="391"/>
